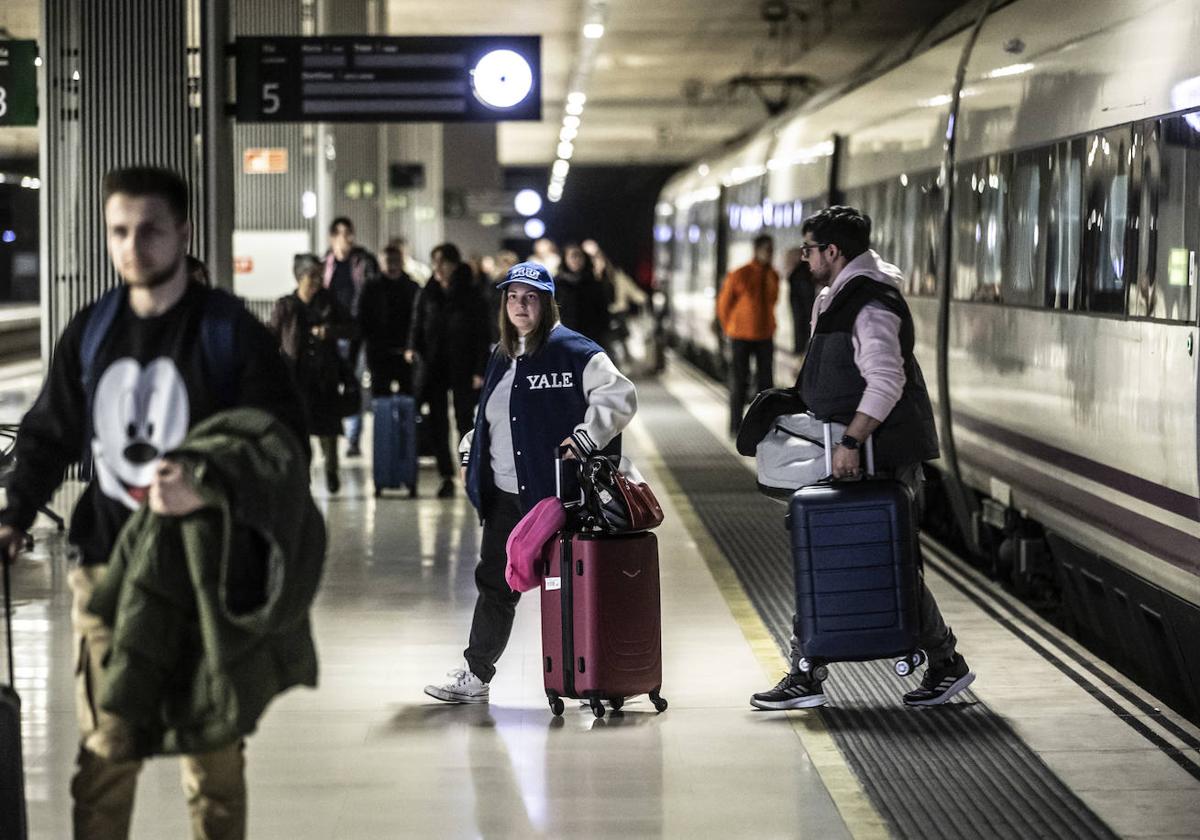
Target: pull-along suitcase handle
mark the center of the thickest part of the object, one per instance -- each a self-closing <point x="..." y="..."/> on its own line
<point x="8" y="631"/>
<point x="558" y="479"/>
<point x="869" y="446"/>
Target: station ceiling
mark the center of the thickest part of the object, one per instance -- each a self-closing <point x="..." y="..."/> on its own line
<point x="658" y="81"/>
<point x="658" y="89"/>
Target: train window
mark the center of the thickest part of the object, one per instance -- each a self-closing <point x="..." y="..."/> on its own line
<point x="981" y="193"/>
<point x="927" y="251"/>
<point x="1024" y="259"/>
<point x="1168" y="223"/>
<point x="1063" y="223"/>
<point x="966" y="178"/>
<point x="1106" y="182"/>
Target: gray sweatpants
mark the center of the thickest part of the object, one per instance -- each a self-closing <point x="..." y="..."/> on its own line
<point x="935" y="638"/>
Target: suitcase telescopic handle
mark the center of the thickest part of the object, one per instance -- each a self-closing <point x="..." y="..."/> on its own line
<point x="559" y="452"/>
<point x="869" y="446"/>
<point x="8" y="631"/>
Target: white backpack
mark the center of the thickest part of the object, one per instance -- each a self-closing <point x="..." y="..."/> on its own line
<point x="792" y="454"/>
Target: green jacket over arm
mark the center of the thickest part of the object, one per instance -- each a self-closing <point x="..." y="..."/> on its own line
<point x="210" y="611"/>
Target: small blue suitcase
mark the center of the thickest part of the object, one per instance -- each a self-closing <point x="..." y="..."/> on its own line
<point x="856" y="559"/>
<point x="395" y="443"/>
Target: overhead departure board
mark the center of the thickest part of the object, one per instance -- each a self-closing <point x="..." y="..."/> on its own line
<point x="372" y="79"/>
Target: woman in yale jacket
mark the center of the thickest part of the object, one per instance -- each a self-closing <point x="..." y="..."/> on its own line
<point x="546" y="386"/>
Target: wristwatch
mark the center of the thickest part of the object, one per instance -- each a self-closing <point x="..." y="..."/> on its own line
<point x="848" y="442"/>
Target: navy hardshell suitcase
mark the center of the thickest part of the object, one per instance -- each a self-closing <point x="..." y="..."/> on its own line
<point x="12" y="774"/>
<point x="856" y="559"/>
<point x="395" y="444"/>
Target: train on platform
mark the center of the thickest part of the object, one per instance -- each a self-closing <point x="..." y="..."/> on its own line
<point x="1034" y="169"/>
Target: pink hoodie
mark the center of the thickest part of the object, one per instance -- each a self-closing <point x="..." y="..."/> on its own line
<point x="876" y="335"/>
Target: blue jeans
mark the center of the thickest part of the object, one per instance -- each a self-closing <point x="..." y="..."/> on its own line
<point x="352" y="425"/>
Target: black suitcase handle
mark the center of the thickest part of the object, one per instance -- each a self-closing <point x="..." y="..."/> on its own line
<point x="869" y="446"/>
<point x="8" y="631"/>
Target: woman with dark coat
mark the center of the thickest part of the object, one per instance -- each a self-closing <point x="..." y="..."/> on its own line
<point x="448" y="342"/>
<point x="583" y="298"/>
<point x="308" y="324"/>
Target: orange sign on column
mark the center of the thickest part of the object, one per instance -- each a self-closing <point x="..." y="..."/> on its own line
<point x="265" y="161"/>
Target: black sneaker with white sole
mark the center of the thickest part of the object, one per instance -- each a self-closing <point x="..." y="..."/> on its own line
<point x="941" y="682"/>
<point x="794" y="691"/>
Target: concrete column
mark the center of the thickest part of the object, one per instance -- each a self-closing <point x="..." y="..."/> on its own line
<point x="104" y="110"/>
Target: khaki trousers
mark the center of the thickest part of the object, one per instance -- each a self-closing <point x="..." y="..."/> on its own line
<point x="102" y="791"/>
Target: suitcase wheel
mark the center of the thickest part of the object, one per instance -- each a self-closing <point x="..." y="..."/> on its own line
<point x="616" y="703"/>
<point x="412" y="492"/>
<point x="597" y="708"/>
<point x="817" y="671"/>
<point x="378" y="492"/>
<point x="660" y="704"/>
<point x="903" y="667"/>
<point x="556" y="704"/>
<point x="917" y="659"/>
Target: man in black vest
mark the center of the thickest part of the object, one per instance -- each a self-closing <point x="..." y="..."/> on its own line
<point x="860" y="370"/>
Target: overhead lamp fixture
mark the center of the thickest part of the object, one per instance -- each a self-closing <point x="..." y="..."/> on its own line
<point x="560" y="168"/>
<point x="528" y="202"/>
<point x="535" y="228"/>
<point x="571" y="121"/>
<point x="566" y="135"/>
<point x="502" y="79"/>
<point x="1010" y="70"/>
<point x="594" y="31"/>
<point x="574" y="110"/>
<point x="565" y="150"/>
<point x="576" y="97"/>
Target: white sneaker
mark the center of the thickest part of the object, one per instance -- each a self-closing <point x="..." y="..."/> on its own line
<point x="464" y="687"/>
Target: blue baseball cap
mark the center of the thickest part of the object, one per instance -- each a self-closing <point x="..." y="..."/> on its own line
<point x="530" y="273"/>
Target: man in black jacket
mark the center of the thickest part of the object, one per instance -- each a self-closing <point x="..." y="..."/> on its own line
<point x="802" y="293"/>
<point x="385" y="316"/>
<point x="348" y="269"/>
<point x="126" y="395"/>
<point x="449" y="345"/>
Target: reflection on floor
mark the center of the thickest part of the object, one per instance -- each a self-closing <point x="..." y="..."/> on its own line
<point x="368" y="755"/>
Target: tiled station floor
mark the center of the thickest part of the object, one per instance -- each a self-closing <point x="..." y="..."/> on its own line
<point x="368" y="755"/>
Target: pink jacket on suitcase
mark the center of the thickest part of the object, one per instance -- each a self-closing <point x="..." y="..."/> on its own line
<point x="527" y="542"/>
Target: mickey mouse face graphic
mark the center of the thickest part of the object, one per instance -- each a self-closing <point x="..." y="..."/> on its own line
<point x="138" y="415"/>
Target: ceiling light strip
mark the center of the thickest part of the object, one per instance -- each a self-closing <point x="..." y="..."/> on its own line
<point x="594" y="16"/>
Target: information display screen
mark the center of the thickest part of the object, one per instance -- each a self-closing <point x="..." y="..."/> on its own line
<point x="376" y="79"/>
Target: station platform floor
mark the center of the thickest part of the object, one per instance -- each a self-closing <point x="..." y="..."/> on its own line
<point x="1049" y="741"/>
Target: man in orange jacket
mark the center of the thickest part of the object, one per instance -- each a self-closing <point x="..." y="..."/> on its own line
<point x="746" y="310"/>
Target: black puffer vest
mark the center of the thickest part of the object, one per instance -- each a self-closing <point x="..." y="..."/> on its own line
<point x="832" y="386"/>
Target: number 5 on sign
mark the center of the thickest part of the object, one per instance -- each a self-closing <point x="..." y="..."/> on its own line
<point x="270" y="95"/>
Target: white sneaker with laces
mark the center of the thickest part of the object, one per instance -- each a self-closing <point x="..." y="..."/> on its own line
<point x="464" y="687"/>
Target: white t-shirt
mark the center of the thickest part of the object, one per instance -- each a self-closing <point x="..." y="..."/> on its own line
<point x="500" y="442"/>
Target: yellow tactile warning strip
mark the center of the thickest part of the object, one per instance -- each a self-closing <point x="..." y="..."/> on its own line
<point x="862" y="819"/>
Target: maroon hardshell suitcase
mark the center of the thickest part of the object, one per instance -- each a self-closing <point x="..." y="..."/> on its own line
<point x="601" y="620"/>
